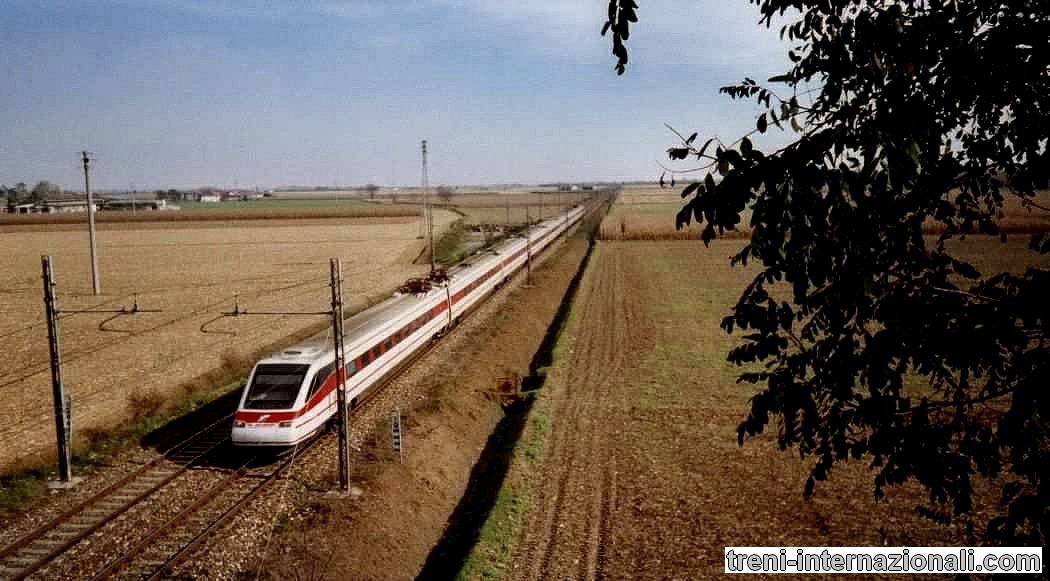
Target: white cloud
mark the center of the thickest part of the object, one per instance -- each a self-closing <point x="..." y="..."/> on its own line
<point x="710" y="33"/>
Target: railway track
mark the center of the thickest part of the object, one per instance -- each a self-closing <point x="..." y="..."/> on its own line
<point x="166" y="545"/>
<point x="161" y="549"/>
<point x="45" y="544"/>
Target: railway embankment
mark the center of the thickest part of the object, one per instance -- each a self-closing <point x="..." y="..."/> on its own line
<point x="486" y="487"/>
<point x="419" y="515"/>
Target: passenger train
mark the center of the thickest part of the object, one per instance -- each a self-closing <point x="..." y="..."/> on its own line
<point x="290" y="395"/>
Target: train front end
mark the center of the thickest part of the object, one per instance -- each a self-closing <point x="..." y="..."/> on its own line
<point x="268" y="412"/>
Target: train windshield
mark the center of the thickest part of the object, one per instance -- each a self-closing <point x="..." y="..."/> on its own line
<point x="275" y="386"/>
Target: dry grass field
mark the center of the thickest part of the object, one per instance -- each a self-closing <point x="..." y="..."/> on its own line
<point x="191" y="271"/>
<point x="225" y="212"/>
<point x="649" y="214"/>
<point x="646" y="214"/>
<point x="497" y="208"/>
<point x="476" y="205"/>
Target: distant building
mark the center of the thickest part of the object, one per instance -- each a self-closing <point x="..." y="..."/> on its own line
<point x="209" y="198"/>
<point x="146" y="205"/>
<point x="65" y="206"/>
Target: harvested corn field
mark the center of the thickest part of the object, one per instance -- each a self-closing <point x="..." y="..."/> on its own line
<point x="248" y="211"/>
<point x="113" y="365"/>
<point x="648" y="213"/>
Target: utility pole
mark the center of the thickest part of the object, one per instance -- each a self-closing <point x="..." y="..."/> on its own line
<point x="62" y="417"/>
<point x="336" y="313"/>
<point x="507" y="228"/>
<point x="91" y="224"/>
<point x="340" y="374"/>
<point x="427" y="209"/>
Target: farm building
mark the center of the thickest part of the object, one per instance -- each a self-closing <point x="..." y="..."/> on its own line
<point x="129" y="204"/>
<point x="54" y="207"/>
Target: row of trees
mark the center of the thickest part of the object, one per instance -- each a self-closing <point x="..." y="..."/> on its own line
<point x="21" y="194"/>
<point x="445" y="193"/>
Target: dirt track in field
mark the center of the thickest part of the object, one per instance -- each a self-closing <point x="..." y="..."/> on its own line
<point x="642" y="477"/>
<point x="570" y="525"/>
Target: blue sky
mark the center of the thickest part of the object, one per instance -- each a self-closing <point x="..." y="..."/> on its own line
<point x="187" y="93"/>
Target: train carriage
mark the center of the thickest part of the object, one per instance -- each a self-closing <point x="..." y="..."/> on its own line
<point x="290" y="395"/>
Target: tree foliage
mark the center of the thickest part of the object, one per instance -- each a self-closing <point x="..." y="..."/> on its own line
<point x="909" y="117"/>
<point x="445" y="193"/>
<point x="43" y="190"/>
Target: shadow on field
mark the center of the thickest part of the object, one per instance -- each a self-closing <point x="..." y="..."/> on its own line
<point x="486" y="479"/>
<point x="176" y="431"/>
<point x="544" y="355"/>
<point x="447" y="558"/>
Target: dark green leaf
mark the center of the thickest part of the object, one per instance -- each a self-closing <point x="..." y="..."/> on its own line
<point x="690" y="189"/>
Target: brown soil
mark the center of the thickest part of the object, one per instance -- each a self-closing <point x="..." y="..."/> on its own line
<point x="642" y="477"/>
<point x="571" y="524"/>
<point x="388" y="531"/>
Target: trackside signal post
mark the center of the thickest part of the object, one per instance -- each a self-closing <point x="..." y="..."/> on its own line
<point x="396" y="437"/>
<point x="528" y="248"/>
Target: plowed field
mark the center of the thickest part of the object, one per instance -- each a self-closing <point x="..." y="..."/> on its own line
<point x="641" y="476"/>
<point x="191" y="275"/>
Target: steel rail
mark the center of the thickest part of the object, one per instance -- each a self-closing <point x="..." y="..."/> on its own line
<point x="168" y="526"/>
<point x="52" y="549"/>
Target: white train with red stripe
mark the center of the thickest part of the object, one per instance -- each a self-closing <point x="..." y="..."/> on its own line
<point x="291" y="394"/>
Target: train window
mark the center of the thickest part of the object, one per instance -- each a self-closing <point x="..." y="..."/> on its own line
<point x="388" y="344"/>
<point x="319" y="379"/>
<point x="366" y="358"/>
<point x="275" y="386"/>
<point x="351" y="368"/>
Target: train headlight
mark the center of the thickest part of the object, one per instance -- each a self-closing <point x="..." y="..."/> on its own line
<point x="239" y="424"/>
<point x="284" y="424"/>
